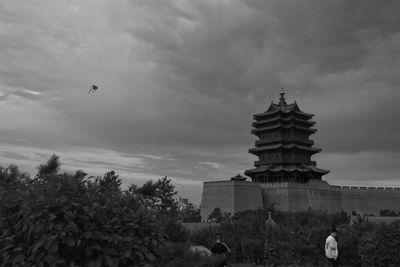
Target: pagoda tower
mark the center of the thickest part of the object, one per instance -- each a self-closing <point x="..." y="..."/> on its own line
<point x="284" y="148"/>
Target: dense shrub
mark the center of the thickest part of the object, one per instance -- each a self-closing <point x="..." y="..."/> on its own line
<point x="298" y="237"/>
<point x="71" y="220"/>
<point x="179" y="255"/>
<point x="190" y="214"/>
<point x="174" y="231"/>
<point x="381" y="246"/>
<point x="61" y="219"/>
<point x="388" y="213"/>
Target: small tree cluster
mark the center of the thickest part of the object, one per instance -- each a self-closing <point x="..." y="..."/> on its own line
<point x="70" y="220"/>
<point x="158" y="196"/>
<point x="388" y="213"/>
<point x="190" y="214"/>
<point x="217" y="215"/>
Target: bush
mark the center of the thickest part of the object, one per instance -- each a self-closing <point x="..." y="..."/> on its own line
<point x="388" y="213"/>
<point x="60" y="219"/>
<point x="381" y="246"/>
<point x="174" y="230"/>
<point x="179" y="255"/>
<point x="252" y="249"/>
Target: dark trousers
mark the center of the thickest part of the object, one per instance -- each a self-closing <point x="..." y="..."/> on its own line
<point x="334" y="263"/>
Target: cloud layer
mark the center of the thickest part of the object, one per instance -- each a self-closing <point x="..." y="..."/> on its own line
<point x="179" y="81"/>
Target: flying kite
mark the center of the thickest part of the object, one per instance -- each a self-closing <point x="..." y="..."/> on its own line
<point x="93" y="89"/>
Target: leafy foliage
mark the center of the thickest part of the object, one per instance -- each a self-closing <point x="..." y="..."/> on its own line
<point x="51" y="167"/>
<point x="218" y="216"/>
<point x="297" y="239"/>
<point x="165" y="193"/>
<point x="388" y="213"/>
<point x="61" y="219"/>
<point x="190" y="214"/>
<point x="381" y="246"/>
<point x="179" y="255"/>
<point x="157" y="196"/>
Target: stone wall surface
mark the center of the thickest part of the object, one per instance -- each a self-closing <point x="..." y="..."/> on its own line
<point x="370" y="200"/>
<point x="247" y="196"/>
<point x="297" y="197"/>
<point x="217" y="194"/>
<point x="233" y="196"/>
<point x="230" y="196"/>
<point x="275" y="194"/>
<point x="317" y="195"/>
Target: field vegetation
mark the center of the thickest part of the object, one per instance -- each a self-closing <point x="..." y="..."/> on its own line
<point x="61" y="219"/>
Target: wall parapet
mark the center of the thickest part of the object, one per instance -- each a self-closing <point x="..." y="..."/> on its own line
<point x="324" y="184"/>
<point x="229" y="182"/>
<point x="311" y="183"/>
<point x="350" y="187"/>
<point x="269" y="185"/>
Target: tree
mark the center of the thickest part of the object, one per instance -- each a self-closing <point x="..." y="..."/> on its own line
<point x="51" y="167"/>
<point x="165" y="193"/>
<point x="218" y="216"/>
<point x="147" y="193"/>
<point x="110" y="183"/>
<point x="158" y="196"/>
<point x="147" y="190"/>
<point x="190" y="214"/>
<point x="68" y="220"/>
<point x="381" y="246"/>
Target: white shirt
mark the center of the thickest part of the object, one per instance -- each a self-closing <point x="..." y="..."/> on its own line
<point x="331" y="250"/>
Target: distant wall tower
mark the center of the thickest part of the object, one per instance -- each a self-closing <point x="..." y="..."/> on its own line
<point x="284" y="148"/>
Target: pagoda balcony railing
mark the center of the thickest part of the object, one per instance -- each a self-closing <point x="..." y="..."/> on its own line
<point x="257" y="131"/>
<point x="258" y="163"/>
<point x="271" y="122"/>
<point x="271" y="141"/>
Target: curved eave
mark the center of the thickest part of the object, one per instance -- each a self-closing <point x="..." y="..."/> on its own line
<point x="287" y="119"/>
<point x="264" y="129"/>
<point x="258" y="150"/>
<point x="269" y="113"/>
<point x="271" y="168"/>
<point x="300" y="142"/>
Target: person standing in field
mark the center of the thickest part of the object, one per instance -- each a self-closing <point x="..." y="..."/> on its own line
<point x="331" y="249"/>
<point x="220" y="250"/>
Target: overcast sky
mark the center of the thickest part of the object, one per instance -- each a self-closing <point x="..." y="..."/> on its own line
<point x="179" y="82"/>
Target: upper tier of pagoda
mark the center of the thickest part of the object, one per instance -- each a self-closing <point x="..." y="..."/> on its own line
<point x="283" y="146"/>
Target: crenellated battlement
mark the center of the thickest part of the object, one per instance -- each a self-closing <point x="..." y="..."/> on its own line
<point x="367" y="188"/>
<point x="322" y="183"/>
<point x="228" y="182"/>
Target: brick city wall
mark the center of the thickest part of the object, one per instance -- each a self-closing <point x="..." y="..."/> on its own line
<point x="319" y="195"/>
<point x="233" y="196"/>
<point x="230" y="196"/>
<point x="370" y="200"/>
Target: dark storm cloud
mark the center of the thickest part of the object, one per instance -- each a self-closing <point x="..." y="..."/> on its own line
<point x="179" y="81"/>
<point x="235" y="52"/>
<point x="220" y="49"/>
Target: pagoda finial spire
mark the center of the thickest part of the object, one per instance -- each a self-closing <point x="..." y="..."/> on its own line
<point x="282" y="98"/>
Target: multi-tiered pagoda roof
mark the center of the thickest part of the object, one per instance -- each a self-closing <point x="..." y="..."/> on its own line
<point x="283" y="146"/>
